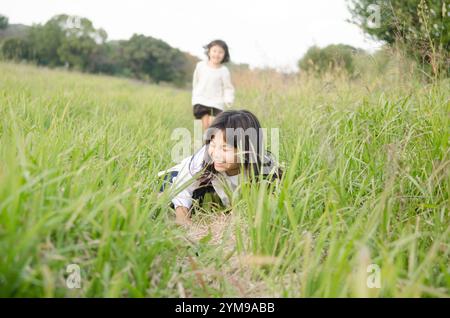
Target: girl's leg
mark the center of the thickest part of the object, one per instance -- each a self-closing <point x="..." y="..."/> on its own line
<point x="206" y="121"/>
<point x="211" y="119"/>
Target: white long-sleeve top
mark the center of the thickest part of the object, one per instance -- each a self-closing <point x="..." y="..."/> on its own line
<point x="190" y="168"/>
<point x="187" y="179"/>
<point x="212" y="86"/>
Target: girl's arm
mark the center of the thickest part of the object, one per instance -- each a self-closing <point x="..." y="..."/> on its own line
<point x="186" y="181"/>
<point x="183" y="200"/>
<point x="195" y="80"/>
<point x="195" y="77"/>
<point x="182" y="216"/>
<point x="228" y="88"/>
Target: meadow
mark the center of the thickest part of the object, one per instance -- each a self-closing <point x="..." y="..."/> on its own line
<point x="362" y="209"/>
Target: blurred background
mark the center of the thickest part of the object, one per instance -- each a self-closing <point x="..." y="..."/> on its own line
<point x="161" y="41"/>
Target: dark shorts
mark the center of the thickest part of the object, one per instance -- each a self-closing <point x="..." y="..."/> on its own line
<point x="201" y="110"/>
<point x="168" y="180"/>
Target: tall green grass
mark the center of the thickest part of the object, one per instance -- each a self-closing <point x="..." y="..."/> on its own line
<point x="366" y="182"/>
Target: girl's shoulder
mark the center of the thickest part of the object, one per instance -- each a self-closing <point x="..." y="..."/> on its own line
<point x="198" y="158"/>
<point x="190" y="165"/>
<point x="201" y="63"/>
<point x="225" y="69"/>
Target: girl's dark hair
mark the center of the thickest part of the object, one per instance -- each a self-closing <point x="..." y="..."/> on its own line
<point x="223" y="45"/>
<point x="242" y="130"/>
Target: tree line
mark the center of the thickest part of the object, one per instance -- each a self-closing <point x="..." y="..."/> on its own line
<point x="420" y="28"/>
<point x="73" y="42"/>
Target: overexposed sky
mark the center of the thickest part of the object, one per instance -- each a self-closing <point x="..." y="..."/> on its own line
<point x="274" y="33"/>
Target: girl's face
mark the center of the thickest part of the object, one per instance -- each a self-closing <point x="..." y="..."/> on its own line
<point x="223" y="155"/>
<point x="216" y="54"/>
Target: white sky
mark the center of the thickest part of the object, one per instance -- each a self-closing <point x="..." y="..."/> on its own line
<point x="273" y="33"/>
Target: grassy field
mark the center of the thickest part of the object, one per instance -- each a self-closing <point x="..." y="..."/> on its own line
<point x="366" y="183"/>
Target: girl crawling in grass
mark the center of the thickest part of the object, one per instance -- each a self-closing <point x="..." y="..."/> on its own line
<point x="233" y="152"/>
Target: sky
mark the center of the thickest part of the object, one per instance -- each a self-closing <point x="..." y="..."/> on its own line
<point x="261" y="33"/>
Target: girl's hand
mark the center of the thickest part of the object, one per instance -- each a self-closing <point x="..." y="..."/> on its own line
<point x="182" y="216"/>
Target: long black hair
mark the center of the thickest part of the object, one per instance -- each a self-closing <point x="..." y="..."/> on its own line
<point x="242" y="131"/>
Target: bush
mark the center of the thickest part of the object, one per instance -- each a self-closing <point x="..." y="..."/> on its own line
<point x="335" y="57"/>
<point x="419" y="27"/>
<point x="15" y="49"/>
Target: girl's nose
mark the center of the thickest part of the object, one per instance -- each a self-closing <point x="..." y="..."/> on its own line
<point x="217" y="157"/>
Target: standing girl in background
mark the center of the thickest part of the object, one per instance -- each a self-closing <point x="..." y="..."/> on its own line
<point x="212" y="89"/>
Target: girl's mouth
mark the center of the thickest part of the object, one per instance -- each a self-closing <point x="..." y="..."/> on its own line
<point x="220" y="165"/>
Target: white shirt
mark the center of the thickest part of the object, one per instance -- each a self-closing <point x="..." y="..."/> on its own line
<point x="212" y="86"/>
<point x="188" y="170"/>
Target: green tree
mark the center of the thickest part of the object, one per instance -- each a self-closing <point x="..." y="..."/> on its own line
<point x="65" y="40"/>
<point x="81" y="41"/>
<point x="15" y="49"/>
<point x="330" y="58"/>
<point x="421" y="27"/>
<point x="45" y="41"/>
<point x="105" y="59"/>
<point x="153" y="59"/>
<point x="3" y="22"/>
